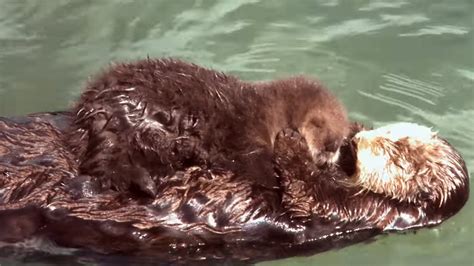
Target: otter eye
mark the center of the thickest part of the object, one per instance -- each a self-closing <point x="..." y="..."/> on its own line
<point x="162" y="117"/>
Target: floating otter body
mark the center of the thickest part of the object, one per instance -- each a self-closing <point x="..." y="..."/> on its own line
<point x="394" y="178"/>
<point x="139" y="122"/>
<point x="212" y="215"/>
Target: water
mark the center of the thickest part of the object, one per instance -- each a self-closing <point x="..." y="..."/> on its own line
<point x="387" y="60"/>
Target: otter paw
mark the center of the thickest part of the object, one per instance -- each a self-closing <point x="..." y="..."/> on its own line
<point x="289" y="135"/>
<point x="291" y="155"/>
<point x="292" y="145"/>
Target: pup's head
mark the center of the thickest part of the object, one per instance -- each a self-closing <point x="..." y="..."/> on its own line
<point x="325" y="131"/>
<point x="409" y="163"/>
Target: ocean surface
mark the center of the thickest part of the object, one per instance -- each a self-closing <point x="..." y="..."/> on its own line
<point x="388" y="60"/>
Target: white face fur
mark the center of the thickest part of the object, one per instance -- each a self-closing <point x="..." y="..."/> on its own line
<point x="397" y="131"/>
<point x="407" y="162"/>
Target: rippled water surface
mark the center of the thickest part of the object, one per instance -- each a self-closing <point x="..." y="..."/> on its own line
<point x="387" y="60"/>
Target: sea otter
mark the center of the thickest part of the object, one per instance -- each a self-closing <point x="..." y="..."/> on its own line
<point x="138" y="122"/>
<point x="216" y="215"/>
<point x="210" y="199"/>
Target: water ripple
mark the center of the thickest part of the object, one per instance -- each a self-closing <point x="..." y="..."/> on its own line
<point x="466" y="73"/>
<point x="416" y="86"/>
<point x="400" y="86"/>
<point x="382" y="4"/>
<point x="330" y="3"/>
<point x="403" y="20"/>
<point x="366" y="26"/>
<point x="257" y="53"/>
<point x="438" y="30"/>
<point x="391" y="101"/>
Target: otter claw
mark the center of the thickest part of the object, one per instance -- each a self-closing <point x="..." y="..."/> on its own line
<point x="291" y="139"/>
<point x="289" y="134"/>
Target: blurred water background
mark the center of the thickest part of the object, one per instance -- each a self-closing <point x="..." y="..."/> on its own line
<point x="388" y="60"/>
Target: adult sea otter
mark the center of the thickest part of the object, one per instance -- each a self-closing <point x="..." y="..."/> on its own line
<point x="394" y="178"/>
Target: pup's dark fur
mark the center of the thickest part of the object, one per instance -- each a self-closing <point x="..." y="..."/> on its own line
<point x="139" y="121"/>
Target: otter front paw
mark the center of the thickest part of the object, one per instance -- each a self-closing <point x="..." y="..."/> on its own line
<point x="294" y="164"/>
<point x="291" y="154"/>
<point x="290" y="138"/>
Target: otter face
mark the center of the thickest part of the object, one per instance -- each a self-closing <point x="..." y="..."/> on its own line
<point x="324" y="145"/>
<point x="408" y="162"/>
<point x="324" y="136"/>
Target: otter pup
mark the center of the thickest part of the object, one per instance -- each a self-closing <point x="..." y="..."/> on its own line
<point x="140" y="121"/>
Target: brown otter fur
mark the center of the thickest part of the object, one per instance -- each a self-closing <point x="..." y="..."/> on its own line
<point x="214" y="213"/>
<point x="141" y="121"/>
<point x="201" y="215"/>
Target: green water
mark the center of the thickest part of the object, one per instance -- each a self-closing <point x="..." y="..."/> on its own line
<point x="387" y="60"/>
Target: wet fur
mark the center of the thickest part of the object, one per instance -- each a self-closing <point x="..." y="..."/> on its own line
<point x="201" y="215"/>
<point x="141" y="121"/>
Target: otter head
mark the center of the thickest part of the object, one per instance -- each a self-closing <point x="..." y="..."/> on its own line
<point x="409" y="163"/>
<point x="325" y="132"/>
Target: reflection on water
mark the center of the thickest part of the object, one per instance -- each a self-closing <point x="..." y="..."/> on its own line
<point x="404" y="87"/>
<point x="388" y="61"/>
